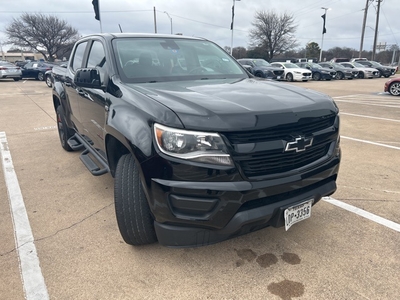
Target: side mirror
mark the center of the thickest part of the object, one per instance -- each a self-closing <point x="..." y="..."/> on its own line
<point x="89" y="78"/>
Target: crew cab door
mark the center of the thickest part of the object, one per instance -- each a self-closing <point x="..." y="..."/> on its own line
<point x="92" y="102"/>
<point x="72" y="91"/>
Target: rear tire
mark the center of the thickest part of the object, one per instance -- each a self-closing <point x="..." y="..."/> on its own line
<point x="48" y="81"/>
<point x="64" y="132"/>
<point x="135" y="222"/>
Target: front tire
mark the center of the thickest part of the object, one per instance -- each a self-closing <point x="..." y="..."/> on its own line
<point x="361" y="75"/>
<point x="394" y="89"/>
<point x="316" y="76"/>
<point x="289" y="77"/>
<point x="40" y="76"/>
<point x="17" y="78"/>
<point x="64" y="132"/>
<point x="135" y="222"/>
<point x="339" y="75"/>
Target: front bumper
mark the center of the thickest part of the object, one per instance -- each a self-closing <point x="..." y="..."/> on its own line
<point x="301" y="77"/>
<point x="191" y="214"/>
<point x="243" y="222"/>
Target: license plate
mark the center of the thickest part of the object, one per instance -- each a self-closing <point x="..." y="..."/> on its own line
<point x="278" y="77"/>
<point x="297" y="213"/>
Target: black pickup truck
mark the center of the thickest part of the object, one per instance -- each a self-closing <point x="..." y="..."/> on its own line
<point x="200" y="150"/>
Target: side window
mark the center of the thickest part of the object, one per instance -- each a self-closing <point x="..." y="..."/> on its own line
<point x="97" y="58"/>
<point x="78" y="56"/>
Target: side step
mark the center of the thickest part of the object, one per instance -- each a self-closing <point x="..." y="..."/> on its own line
<point x="90" y="158"/>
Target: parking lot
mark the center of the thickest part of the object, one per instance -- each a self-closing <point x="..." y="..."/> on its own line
<point x="348" y="249"/>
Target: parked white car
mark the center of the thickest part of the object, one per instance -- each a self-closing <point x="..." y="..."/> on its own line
<point x="293" y="72"/>
<point x="363" y="71"/>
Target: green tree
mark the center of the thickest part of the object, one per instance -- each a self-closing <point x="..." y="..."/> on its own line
<point x="46" y="34"/>
<point x="239" y="52"/>
<point x="273" y="32"/>
<point x="312" y="50"/>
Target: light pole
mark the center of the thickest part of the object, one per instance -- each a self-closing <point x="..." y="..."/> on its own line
<point x="323" y="31"/>
<point x="233" y="18"/>
<point x="170" y="19"/>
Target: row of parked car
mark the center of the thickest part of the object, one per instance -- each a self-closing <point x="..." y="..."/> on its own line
<point x="304" y="71"/>
<point x="32" y="69"/>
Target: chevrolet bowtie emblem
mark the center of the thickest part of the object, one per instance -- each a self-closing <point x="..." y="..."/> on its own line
<point x="300" y="144"/>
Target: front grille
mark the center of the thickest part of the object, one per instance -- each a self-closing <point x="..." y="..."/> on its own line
<point x="268" y="162"/>
<point x="304" y="126"/>
<point x="306" y="74"/>
<point x="272" y="161"/>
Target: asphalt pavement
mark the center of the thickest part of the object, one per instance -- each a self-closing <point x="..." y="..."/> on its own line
<point x="59" y="237"/>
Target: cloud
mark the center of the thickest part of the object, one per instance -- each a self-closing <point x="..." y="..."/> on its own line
<point x="211" y="19"/>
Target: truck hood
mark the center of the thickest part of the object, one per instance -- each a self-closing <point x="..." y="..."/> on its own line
<point x="244" y="104"/>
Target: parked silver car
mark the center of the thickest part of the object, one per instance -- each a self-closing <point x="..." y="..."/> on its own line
<point x="341" y="71"/>
<point x="363" y="71"/>
<point x="9" y="70"/>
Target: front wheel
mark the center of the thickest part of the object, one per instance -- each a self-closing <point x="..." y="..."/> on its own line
<point x="339" y="75"/>
<point x="289" y="77"/>
<point x="394" y="88"/>
<point x="40" y="76"/>
<point x="135" y="222"/>
<point x="64" y="132"/>
<point x="316" y="76"/>
<point x="361" y="75"/>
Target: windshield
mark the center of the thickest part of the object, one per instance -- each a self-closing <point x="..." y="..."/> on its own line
<point x="316" y="66"/>
<point x="261" y="63"/>
<point x="375" y="64"/>
<point x="291" y="66"/>
<point x="358" y="65"/>
<point x="336" y="65"/>
<point x="169" y="59"/>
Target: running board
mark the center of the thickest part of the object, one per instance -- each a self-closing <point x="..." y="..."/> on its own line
<point x="94" y="162"/>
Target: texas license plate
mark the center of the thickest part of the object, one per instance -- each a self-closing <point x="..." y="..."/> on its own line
<point x="297" y="213"/>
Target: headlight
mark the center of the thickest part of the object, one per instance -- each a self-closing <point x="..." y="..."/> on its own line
<point x="195" y="146"/>
<point x="297" y="72"/>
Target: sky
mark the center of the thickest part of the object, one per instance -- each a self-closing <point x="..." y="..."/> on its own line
<point x="211" y="19"/>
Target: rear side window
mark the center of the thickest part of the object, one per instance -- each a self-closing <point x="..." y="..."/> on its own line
<point x="78" y="56"/>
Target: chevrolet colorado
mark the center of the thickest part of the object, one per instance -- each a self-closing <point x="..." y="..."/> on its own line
<point x="200" y="150"/>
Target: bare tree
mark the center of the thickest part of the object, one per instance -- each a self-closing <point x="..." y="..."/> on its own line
<point x="45" y="34"/>
<point x="273" y="32"/>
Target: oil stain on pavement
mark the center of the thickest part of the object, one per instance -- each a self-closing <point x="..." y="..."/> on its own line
<point x="285" y="289"/>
